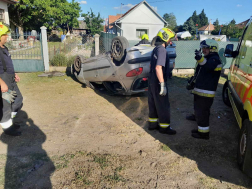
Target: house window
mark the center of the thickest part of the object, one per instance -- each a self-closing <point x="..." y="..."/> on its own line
<point x="1" y="15"/>
<point x="140" y="32"/>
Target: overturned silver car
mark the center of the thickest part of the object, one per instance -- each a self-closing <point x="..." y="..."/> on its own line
<point x="123" y="71"/>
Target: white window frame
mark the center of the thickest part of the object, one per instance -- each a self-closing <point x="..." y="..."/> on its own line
<point x="3" y="13"/>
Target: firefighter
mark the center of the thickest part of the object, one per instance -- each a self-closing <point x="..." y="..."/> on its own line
<point x="206" y="79"/>
<point x="11" y="91"/>
<point x="144" y="40"/>
<point x="158" y="100"/>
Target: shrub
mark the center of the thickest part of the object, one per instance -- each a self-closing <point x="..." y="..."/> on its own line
<point x="62" y="60"/>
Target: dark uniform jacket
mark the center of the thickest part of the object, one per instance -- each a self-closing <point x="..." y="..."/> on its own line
<point x="143" y="41"/>
<point x="6" y="64"/>
<point x="207" y="75"/>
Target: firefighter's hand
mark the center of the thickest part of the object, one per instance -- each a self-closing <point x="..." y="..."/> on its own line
<point x="198" y="55"/>
<point x="9" y="96"/>
<point x="163" y="90"/>
<point x="4" y="87"/>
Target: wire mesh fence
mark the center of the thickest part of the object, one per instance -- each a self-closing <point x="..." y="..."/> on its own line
<point x="105" y="41"/>
<point x="63" y="53"/>
<point x="25" y="46"/>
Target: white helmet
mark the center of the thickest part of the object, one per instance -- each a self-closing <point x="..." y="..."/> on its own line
<point x="210" y="44"/>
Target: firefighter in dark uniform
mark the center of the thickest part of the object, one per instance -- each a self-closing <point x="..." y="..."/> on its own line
<point x="158" y="100"/>
<point x="12" y="98"/>
<point x="206" y="80"/>
<point x="144" y="40"/>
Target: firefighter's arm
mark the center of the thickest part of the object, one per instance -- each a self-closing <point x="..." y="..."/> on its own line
<point x="159" y="72"/>
<point x="211" y="64"/>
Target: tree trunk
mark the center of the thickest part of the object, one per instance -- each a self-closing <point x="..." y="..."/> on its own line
<point x="21" y="33"/>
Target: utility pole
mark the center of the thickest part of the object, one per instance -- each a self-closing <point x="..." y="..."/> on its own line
<point x="209" y="27"/>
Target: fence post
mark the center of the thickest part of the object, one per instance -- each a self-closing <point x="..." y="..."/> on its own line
<point x="97" y="44"/>
<point x="45" y="48"/>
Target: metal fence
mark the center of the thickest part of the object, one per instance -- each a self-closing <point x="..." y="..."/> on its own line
<point x="105" y="41"/>
<point x="185" y="52"/>
<point x="63" y="53"/>
<point x="25" y="46"/>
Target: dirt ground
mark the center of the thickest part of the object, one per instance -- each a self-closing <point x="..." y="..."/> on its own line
<point x="75" y="137"/>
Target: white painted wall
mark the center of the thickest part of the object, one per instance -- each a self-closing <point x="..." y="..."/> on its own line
<point x="3" y="5"/>
<point x="141" y="18"/>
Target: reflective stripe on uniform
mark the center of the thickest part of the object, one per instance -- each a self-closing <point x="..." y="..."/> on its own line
<point x="164" y="125"/>
<point x="202" y="61"/>
<point x="202" y="92"/>
<point x="13" y="114"/>
<point x="153" y="119"/>
<point x="218" y="68"/>
<point x="203" y="129"/>
<point x="7" y="124"/>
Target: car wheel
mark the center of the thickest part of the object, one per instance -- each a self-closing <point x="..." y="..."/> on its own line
<point x="77" y="63"/>
<point x="244" y="140"/>
<point x="225" y="96"/>
<point x="118" y="48"/>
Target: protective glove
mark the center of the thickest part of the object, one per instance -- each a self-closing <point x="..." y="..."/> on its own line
<point x="198" y="54"/>
<point x="9" y="96"/>
<point x="163" y="90"/>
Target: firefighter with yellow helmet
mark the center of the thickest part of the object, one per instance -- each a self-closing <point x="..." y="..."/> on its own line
<point x="144" y="40"/>
<point x="205" y="81"/>
<point x="158" y="100"/>
<point x="12" y="98"/>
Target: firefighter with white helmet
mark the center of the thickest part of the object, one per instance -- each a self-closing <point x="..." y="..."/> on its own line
<point x="12" y="98"/>
<point x="205" y="83"/>
<point x="158" y="100"/>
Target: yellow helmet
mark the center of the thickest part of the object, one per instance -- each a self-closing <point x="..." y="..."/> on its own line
<point x="145" y="36"/>
<point x="4" y="29"/>
<point x="165" y="34"/>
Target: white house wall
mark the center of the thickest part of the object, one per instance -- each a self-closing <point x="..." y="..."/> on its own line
<point x="141" y="17"/>
<point x="3" y="5"/>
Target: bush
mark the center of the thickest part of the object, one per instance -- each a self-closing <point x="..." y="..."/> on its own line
<point x="62" y="60"/>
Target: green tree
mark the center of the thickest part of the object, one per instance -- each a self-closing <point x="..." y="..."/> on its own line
<point x="32" y="14"/>
<point x="203" y="19"/>
<point x="233" y="22"/>
<point x="216" y="23"/>
<point x="171" y="20"/>
<point x="94" y="23"/>
<point x="190" y="26"/>
<point x="195" y="18"/>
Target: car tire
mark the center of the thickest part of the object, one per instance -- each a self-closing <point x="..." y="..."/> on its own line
<point x="77" y="63"/>
<point x="244" y="143"/>
<point x="225" y="96"/>
<point x="118" y="48"/>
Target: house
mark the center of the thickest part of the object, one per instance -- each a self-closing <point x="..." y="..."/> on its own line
<point x="206" y="30"/>
<point x="82" y="29"/>
<point x="139" y="20"/>
<point x="111" y="19"/>
<point x="4" y="14"/>
<point x="242" y="24"/>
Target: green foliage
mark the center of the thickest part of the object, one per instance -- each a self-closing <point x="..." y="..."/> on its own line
<point x="203" y="19"/>
<point x="32" y="14"/>
<point x="190" y="26"/>
<point x="94" y="23"/>
<point x="171" y="20"/>
<point x="62" y="60"/>
<point x="216" y="23"/>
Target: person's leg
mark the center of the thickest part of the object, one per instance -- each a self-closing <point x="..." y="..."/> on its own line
<point x="153" y="117"/>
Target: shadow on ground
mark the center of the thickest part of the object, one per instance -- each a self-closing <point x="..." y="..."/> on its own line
<point x="27" y="164"/>
<point x="216" y="157"/>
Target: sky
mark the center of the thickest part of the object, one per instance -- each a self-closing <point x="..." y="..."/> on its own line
<point x="224" y="10"/>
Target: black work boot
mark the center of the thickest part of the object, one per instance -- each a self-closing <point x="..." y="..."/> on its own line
<point x="167" y="130"/>
<point x="200" y="135"/>
<point x="153" y="126"/>
<point x="191" y="117"/>
<point x="16" y="126"/>
<point x="12" y="131"/>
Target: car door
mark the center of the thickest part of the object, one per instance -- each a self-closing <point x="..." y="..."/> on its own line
<point x="240" y="68"/>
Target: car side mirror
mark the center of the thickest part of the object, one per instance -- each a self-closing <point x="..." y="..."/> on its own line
<point x="229" y="50"/>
